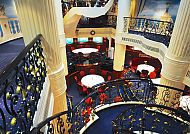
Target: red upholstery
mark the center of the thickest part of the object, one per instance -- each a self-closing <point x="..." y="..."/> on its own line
<point x="92" y="71"/>
<point x="89" y="101"/>
<point x="117" y="99"/>
<point x="87" y="46"/>
<point x="104" y="72"/>
<point x="72" y="48"/>
<point x="86" y="111"/>
<point x="98" y="47"/>
<point x="76" y="78"/>
<point x="79" y="83"/>
<point x="133" y="68"/>
<point x="100" y="90"/>
<point x="89" y="110"/>
<point x="152" y="75"/>
<point x="83" y="112"/>
<point x="109" y="77"/>
<point x="80" y="87"/>
<point x="82" y="74"/>
<point x="85" y="89"/>
<point x="103" y="97"/>
<point x="87" y="120"/>
<point x="143" y="75"/>
<point x="80" y="46"/>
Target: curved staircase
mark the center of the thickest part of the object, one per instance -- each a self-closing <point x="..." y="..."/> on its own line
<point x="109" y="110"/>
<point x="73" y="16"/>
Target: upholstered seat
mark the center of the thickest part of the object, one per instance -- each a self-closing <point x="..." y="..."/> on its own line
<point x="92" y="71"/>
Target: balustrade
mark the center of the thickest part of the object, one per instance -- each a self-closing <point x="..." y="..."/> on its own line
<point x="67" y="5"/>
<point x="21" y="83"/>
<point x="142" y="91"/>
<point x="156" y="30"/>
<point x="102" y="21"/>
<point x="141" y="118"/>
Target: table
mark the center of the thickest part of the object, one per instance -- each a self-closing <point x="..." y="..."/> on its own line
<point x="85" y="50"/>
<point x="145" y="67"/>
<point x="156" y="81"/>
<point x="185" y="103"/>
<point x="91" y="80"/>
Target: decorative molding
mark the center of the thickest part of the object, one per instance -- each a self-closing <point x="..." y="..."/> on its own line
<point x="150" y="48"/>
<point x="100" y="32"/>
<point x="153" y="48"/>
<point x="161" y="53"/>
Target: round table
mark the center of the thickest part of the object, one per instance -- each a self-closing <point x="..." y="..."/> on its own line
<point x="85" y="50"/>
<point x="156" y="81"/>
<point x="91" y="80"/>
<point x="145" y="67"/>
<point x="185" y="103"/>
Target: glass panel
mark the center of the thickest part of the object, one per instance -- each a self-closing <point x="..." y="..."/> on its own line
<point x="98" y="39"/>
<point x="69" y="40"/>
<point x="82" y="39"/>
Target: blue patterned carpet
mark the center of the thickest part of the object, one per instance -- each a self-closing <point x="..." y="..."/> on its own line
<point x="158" y="123"/>
<point x="9" y="50"/>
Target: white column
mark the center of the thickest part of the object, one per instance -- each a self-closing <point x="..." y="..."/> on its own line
<point x="177" y="59"/>
<point x="109" y="39"/>
<point x="123" y="11"/>
<point x="40" y="16"/>
<point x="61" y="34"/>
<point x="110" y="49"/>
<point x="119" y="54"/>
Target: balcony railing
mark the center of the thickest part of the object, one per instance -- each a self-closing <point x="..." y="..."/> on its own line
<point x="21" y="83"/>
<point x="121" y="90"/>
<point x="67" y="5"/>
<point x="99" y="22"/>
<point x="156" y="30"/>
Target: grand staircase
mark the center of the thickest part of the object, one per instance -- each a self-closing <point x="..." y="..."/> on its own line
<point x="122" y="106"/>
<point x="73" y="16"/>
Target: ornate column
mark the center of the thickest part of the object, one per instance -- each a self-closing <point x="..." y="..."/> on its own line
<point x="61" y="34"/>
<point x="42" y="17"/>
<point x="119" y="54"/>
<point x="177" y="58"/>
